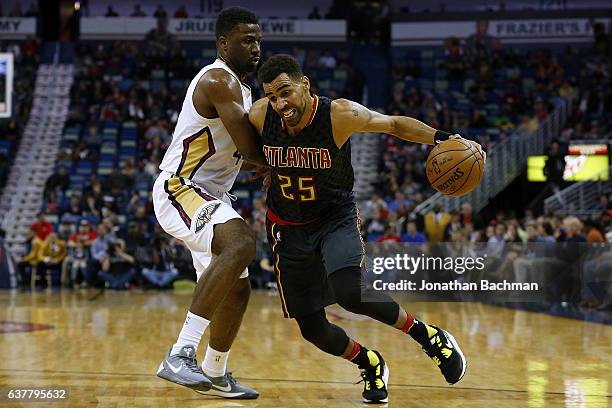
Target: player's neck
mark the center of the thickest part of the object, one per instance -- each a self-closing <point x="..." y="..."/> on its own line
<point x="306" y="117"/>
<point x="241" y="75"/>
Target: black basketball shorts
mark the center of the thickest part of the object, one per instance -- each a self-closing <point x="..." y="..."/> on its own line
<point x="304" y="256"/>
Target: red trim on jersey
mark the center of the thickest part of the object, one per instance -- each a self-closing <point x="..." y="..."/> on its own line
<point x="278" y="220"/>
<point x="315" y="105"/>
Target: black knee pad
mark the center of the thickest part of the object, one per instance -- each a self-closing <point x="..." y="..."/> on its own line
<point x="347" y="283"/>
<point x="316" y="329"/>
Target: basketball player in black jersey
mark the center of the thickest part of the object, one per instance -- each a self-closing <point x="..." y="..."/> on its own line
<point x="313" y="223"/>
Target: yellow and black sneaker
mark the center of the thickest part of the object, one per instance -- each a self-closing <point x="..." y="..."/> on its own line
<point x="375" y="378"/>
<point x="445" y="352"/>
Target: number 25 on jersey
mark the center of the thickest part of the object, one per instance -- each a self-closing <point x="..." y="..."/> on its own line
<point x="298" y="188"/>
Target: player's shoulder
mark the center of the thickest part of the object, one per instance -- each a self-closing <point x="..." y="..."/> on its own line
<point x="260" y="106"/>
<point x="341" y="104"/>
<point x="257" y="113"/>
<point x="342" y="107"/>
<point x="218" y="79"/>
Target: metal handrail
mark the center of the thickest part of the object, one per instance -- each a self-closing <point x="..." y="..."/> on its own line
<point x="505" y="161"/>
<point x="580" y="198"/>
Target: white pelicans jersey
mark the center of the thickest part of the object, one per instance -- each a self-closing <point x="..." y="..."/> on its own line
<point x="202" y="149"/>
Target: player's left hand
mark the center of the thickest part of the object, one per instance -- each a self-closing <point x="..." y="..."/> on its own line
<point x="262" y="172"/>
<point x="473" y="143"/>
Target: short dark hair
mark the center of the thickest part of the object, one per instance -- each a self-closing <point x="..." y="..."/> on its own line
<point x="279" y="64"/>
<point x="229" y="18"/>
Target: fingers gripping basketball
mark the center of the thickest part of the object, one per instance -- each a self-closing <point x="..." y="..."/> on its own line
<point x="455" y="167"/>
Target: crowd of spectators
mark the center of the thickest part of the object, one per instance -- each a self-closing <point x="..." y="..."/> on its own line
<point x="18" y="11"/>
<point x="25" y="64"/>
<point x="107" y="221"/>
<point x="103" y="228"/>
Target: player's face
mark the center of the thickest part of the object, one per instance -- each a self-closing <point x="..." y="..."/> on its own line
<point x="243" y="46"/>
<point x="288" y="97"/>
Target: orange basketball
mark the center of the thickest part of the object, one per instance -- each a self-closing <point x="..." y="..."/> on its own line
<point x="455" y="167"/>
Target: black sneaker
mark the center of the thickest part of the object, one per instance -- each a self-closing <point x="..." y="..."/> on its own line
<point x="445" y="352"/>
<point x="375" y="378"/>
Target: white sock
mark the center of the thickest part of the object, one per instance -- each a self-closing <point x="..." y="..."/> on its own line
<point x="191" y="333"/>
<point x="215" y="362"/>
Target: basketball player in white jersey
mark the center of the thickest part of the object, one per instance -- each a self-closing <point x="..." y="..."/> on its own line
<point x="212" y="136"/>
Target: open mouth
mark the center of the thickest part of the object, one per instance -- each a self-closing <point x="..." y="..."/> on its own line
<point x="255" y="60"/>
<point x="290" y="113"/>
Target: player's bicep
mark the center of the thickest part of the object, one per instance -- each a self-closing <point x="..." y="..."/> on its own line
<point x="235" y="119"/>
<point x="226" y="97"/>
<point x="374" y="121"/>
<point x="352" y="117"/>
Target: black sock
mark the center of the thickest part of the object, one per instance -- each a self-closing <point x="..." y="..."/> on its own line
<point x="361" y="359"/>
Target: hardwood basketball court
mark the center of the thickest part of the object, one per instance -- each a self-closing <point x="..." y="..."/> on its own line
<point x="105" y="347"/>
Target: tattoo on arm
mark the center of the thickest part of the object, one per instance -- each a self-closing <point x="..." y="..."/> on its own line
<point x="355" y="112"/>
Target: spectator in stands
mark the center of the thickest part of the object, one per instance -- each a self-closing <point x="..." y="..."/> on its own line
<point x="28" y="263"/>
<point x="160" y="12"/>
<point x="389" y="235"/>
<point x="453" y="226"/>
<point x="555" y="165"/>
<point x="42" y="227"/>
<point x="79" y="262"/>
<point x="16" y="10"/>
<point x="412" y="235"/>
<point x="435" y="224"/>
<point x="181" y="12"/>
<point x="159" y="42"/>
<point x="99" y="250"/>
<point x="528" y="125"/>
<point x="602" y="39"/>
<point x="479" y="44"/>
<point x="163" y="271"/>
<point x="57" y="181"/>
<point x="605" y="206"/>
<point x="64" y="230"/>
<point x="110" y="12"/>
<point x="142" y="220"/>
<point x="74" y="210"/>
<point x="117" y="269"/>
<point x="375" y="226"/>
<point x="32" y="10"/>
<point x="137" y="12"/>
<point x="327" y="60"/>
<point x="468" y="216"/>
<point x="85" y="233"/>
<point x="455" y="61"/>
<point x="593" y="232"/>
<point x="51" y="255"/>
<point x="497" y="242"/>
<point x="314" y="14"/>
<point x="478" y="120"/>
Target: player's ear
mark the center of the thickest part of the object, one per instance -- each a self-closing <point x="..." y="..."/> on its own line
<point x="306" y="83"/>
<point x="222" y="43"/>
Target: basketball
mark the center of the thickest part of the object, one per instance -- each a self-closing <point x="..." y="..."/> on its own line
<point x="455" y="167"/>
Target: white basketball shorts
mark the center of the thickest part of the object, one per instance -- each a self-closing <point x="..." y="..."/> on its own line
<point x="189" y="213"/>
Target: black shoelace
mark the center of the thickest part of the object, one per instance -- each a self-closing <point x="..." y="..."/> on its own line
<point x="368" y="375"/>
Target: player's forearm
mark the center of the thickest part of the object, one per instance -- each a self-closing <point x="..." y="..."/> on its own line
<point x="254" y="156"/>
<point x="413" y="130"/>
